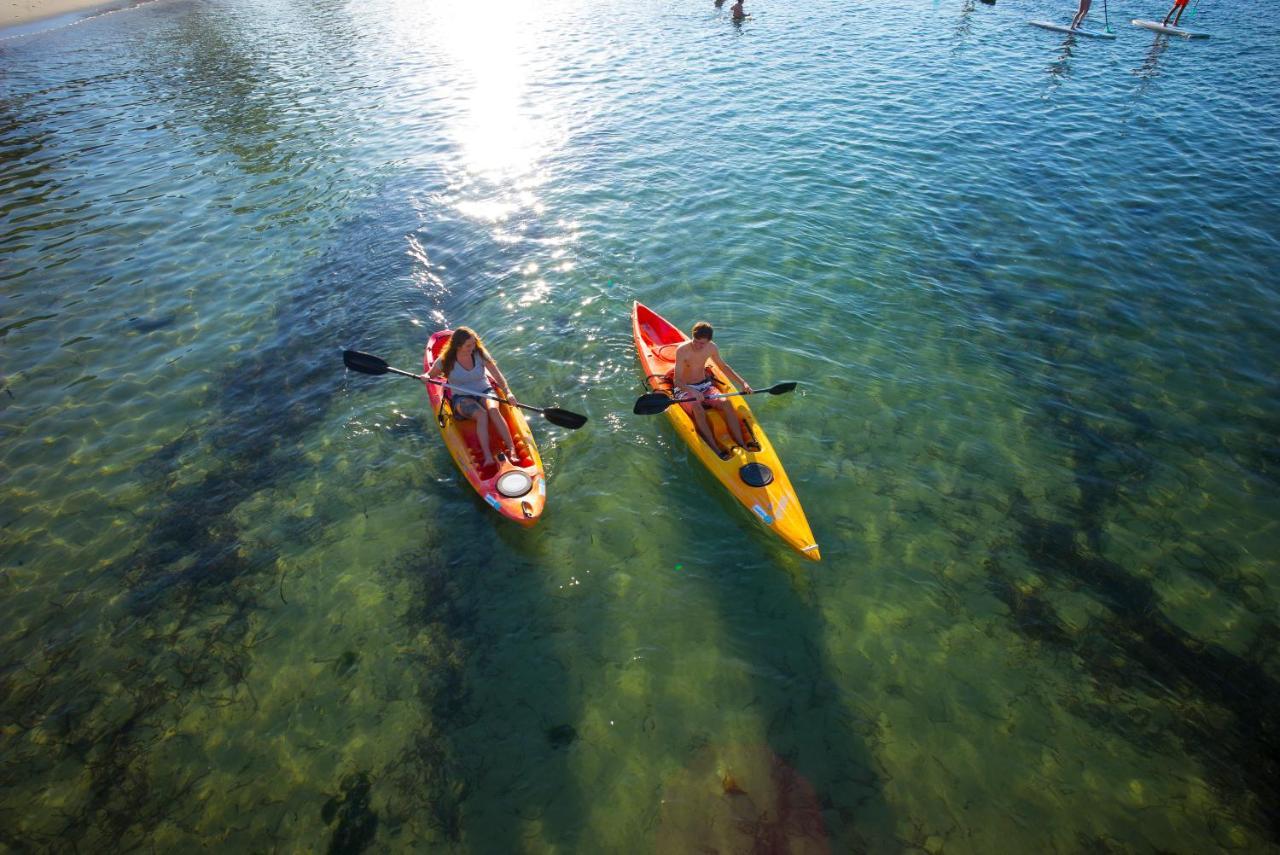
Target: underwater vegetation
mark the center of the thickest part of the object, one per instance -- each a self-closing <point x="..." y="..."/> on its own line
<point x="357" y="823"/>
<point x="1225" y="707"/>
<point x="193" y="596"/>
<point x="1221" y="707"/>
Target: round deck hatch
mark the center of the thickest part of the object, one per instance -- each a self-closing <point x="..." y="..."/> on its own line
<point x="756" y="475"/>
<point x="514" y="484"/>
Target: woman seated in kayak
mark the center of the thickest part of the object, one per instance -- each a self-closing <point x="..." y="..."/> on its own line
<point x="463" y="364"/>
<point x="692" y="387"/>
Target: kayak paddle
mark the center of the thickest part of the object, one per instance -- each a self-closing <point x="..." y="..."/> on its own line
<point x="366" y="363"/>
<point x="656" y="402"/>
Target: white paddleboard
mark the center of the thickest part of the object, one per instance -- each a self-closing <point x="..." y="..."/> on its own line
<point x="1173" y="31"/>
<point x="1078" y="31"/>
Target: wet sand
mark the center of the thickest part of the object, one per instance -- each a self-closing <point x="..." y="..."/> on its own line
<point x="14" y="13"/>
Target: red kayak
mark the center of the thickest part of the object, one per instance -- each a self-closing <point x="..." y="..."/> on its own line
<point x="517" y="489"/>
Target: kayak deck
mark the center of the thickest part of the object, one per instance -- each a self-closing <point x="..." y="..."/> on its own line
<point x="773" y="502"/>
<point x="462" y="439"/>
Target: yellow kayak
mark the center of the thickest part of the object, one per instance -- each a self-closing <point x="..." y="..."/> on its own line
<point x="756" y="479"/>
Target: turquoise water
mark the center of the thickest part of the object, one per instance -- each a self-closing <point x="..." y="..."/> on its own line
<point x="1025" y="282"/>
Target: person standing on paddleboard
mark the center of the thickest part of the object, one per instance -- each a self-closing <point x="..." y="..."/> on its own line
<point x="695" y="389"/>
<point x="463" y="364"/>
<point x="1179" y="6"/>
<point x="1084" y="10"/>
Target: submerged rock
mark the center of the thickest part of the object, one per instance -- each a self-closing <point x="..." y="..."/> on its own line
<point x="346" y="663"/>
<point x="561" y="736"/>
<point x="741" y="798"/>
<point x="357" y="822"/>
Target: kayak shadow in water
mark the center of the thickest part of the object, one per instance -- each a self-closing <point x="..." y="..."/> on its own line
<point x="517" y="735"/>
<point x="964" y="26"/>
<point x="813" y="784"/>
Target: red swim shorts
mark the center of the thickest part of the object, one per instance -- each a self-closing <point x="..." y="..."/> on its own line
<point x="1179" y="4"/>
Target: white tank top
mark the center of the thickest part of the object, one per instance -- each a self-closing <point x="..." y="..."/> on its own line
<point x="470" y="381"/>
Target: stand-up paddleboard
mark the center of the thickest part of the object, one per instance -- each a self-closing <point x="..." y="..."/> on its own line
<point x="1173" y="31"/>
<point x="1078" y="31"/>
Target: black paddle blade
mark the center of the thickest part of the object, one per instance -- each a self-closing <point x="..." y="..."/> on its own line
<point x="654" y="402"/>
<point x="781" y="388"/>
<point x="564" y="418"/>
<point x="365" y="363"/>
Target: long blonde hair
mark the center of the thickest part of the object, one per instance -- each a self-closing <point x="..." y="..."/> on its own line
<point x="460" y="337"/>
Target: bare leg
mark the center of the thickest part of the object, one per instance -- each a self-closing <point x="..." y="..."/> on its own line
<point x="1165" y="23"/>
<point x="1178" y="17"/>
<point x="704" y="428"/>
<point x="482" y="434"/>
<point x="1084" y="10"/>
<point x="731" y="419"/>
<point x="503" y="428"/>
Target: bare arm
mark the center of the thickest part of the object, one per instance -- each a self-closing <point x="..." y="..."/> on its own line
<point x="729" y="372"/>
<point x="437" y="368"/>
<point x="502" y="381"/>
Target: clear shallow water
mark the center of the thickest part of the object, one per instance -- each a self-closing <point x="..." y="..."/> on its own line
<point x="1024" y="280"/>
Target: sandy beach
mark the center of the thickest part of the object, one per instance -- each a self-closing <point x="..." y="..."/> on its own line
<point x="14" y="13"/>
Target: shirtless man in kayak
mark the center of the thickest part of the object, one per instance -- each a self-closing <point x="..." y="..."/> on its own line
<point x="695" y="391"/>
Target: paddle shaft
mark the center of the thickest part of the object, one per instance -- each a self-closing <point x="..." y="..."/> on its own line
<point x="367" y="363"/>
<point x="425" y="379"/>
<point x="655" y="402"/>
<point x="775" y="389"/>
<point x="735" y="394"/>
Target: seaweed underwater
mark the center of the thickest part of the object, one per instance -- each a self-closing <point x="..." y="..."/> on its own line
<point x="428" y="779"/>
<point x="188" y="624"/>
<point x="197" y="594"/>
<point x="1223" y="708"/>
<point x="1225" y="704"/>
